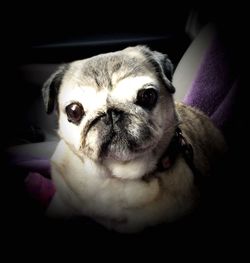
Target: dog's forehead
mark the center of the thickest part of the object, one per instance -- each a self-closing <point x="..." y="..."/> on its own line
<point x="106" y="70"/>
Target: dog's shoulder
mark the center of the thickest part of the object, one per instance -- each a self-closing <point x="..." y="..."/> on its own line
<point x="61" y="152"/>
<point x="207" y="140"/>
<point x="63" y="158"/>
<point x="186" y="112"/>
<point x="195" y="122"/>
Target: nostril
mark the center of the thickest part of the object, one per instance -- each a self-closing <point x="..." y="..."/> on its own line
<point x="115" y="117"/>
<point x="114" y="114"/>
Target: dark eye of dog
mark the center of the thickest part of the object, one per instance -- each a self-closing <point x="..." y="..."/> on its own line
<point x="74" y="112"/>
<point x="147" y="98"/>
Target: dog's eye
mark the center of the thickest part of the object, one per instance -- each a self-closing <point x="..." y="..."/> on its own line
<point x="147" y="98"/>
<point x="74" y="112"/>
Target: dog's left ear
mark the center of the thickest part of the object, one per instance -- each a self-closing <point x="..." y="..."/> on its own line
<point x="163" y="67"/>
<point x="51" y="87"/>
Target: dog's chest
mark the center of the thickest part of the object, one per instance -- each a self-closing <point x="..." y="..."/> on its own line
<point x="92" y="186"/>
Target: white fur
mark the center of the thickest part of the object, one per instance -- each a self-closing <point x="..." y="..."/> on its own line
<point x="95" y="101"/>
<point x="127" y="89"/>
<point x="132" y="169"/>
<point x="126" y="205"/>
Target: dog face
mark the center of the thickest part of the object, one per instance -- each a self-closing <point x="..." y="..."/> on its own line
<point x="114" y="106"/>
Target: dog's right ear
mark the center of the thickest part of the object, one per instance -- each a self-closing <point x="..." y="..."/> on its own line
<point x="162" y="65"/>
<point x="51" y="87"/>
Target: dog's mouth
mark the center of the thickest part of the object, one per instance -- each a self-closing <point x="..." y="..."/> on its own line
<point x="120" y="136"/>
<point x="122" y="149"/>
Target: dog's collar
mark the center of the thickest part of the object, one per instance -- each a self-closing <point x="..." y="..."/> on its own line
<point x="178" y="145"/>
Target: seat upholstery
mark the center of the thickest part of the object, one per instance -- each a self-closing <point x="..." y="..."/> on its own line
<point x="188" y="66"/>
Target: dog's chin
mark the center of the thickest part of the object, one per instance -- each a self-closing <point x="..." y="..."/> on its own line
<point x="125" y="154"/>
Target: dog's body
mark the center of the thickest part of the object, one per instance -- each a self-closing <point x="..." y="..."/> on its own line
<point x="116" y="120"/>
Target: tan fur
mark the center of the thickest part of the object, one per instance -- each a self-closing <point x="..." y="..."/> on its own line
<point x="207" y="141"/>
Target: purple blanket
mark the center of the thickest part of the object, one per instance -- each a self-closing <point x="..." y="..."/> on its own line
<point x="37" y="181"/>
<point x="212" y="91"/>
<point x="214" y="85"/>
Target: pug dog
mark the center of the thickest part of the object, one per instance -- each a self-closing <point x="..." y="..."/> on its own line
<point x="128" y="155"/>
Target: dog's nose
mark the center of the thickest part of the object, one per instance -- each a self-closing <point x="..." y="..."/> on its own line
<point x="114" y="115"/>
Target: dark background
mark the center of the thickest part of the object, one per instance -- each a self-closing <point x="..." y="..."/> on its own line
<point x="29" y="27"/>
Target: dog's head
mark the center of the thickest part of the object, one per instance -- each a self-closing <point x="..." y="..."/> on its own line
<point x="117" y="105"/>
